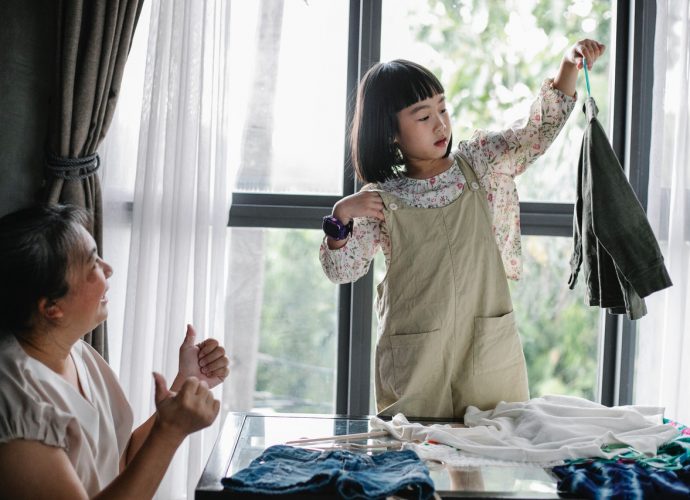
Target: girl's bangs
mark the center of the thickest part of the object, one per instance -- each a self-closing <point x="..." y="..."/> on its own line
<point x="415" y="87"/>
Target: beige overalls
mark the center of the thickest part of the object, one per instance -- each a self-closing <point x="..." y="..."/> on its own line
<point x="448" y="337"/>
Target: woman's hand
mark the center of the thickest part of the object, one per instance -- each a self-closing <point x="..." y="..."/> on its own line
<point x="206" y="361"/>
<point x="192" y="408"/>
<point x="588" y="49"/>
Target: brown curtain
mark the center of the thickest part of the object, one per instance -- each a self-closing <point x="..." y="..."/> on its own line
<point x="93" y="41"/>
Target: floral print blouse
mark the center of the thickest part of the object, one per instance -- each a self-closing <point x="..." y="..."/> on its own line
<point x="496" y="157"/>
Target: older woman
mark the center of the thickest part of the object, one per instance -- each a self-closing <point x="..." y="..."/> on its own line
<point x="65" y="425"/>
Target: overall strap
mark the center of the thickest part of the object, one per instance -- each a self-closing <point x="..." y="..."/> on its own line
<point x="467" y="171"/>
<point x="390" y="201"/>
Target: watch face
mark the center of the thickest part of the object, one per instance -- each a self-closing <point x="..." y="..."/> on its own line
<point x="334" y="228"/>
<point x="330" y="227"/>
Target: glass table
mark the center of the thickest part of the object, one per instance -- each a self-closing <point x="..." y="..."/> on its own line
<point x="244" y="436"/>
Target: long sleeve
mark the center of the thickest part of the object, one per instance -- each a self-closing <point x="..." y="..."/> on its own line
<point x="352" y="261"/>
<point x="510" y="151"/>
<point x="497" y="157"/>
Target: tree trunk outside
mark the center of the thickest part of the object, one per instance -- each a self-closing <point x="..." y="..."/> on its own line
<point x="246" y="269"/>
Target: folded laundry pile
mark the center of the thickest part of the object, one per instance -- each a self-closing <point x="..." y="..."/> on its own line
<point x="286" y="470"/>
<point x="544" y="430"/>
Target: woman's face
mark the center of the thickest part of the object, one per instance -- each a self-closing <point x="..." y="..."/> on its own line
<point x="85" y="305"/>
<point x="424" y="129"/>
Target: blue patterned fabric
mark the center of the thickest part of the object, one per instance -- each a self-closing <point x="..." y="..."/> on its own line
<point x="632" y="475"/>
<point x="286" y="470"/>
<point x="622" y="481"/>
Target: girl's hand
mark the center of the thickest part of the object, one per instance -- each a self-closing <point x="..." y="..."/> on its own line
<point x="206" y="361"/>
<point x="588" y="49"/>
<point x="192" y="408"/>
<point x="362" y="204"/>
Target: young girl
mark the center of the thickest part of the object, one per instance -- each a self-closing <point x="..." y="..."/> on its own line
<point x="448" y="225"/>
<point x="65" y="425"/>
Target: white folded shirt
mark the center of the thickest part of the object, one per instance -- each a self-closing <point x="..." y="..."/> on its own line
<point x="544" y="430"/>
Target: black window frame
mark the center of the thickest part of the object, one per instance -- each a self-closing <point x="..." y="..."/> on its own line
<point x="633" y="42"/>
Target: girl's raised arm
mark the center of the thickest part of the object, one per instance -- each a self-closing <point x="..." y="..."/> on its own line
<point x="566" y="78"/>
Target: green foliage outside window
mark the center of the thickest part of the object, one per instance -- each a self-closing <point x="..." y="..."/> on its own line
<point x="492" y="57"/>
<point x="559" y="332"/>
<point x="296" y="364"/>
<point x="496" y="53"/>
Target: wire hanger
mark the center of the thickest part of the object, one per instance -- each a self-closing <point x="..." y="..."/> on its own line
<point x="584" y="65"/>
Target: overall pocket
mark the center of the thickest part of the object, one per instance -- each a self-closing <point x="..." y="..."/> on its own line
<point x="495" y="344"/>
<point x="417" y="360"/>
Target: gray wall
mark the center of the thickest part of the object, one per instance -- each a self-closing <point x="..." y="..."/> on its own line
<point x="27" y="76"/>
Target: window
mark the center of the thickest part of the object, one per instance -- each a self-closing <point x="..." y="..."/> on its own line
<point x="560" y="335"/>
<point x="312" y="341"/>
<point x="285" y="314"/>
<point x="286" y="135"/>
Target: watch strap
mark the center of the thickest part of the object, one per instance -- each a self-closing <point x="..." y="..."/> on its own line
<point x="334" y="228"/>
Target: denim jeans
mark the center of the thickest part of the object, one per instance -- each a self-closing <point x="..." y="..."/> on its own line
<point x="285" y="470"/>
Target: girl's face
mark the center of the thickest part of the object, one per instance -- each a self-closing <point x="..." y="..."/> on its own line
<point x="85" y="305"/>
<point x="424" y="130"/>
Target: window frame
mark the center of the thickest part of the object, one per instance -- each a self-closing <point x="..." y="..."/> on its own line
<point x="630" y="136"/>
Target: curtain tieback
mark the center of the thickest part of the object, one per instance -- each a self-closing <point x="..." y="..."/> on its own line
<point x="73" y="168"/>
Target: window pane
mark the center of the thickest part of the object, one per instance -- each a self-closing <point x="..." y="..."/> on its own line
<point x="492" y="57"/>
<point x="560" y="334"/>
<point x="281" y="326"/>
<point x="287" y="129"/>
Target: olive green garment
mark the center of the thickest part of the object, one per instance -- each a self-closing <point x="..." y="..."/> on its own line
<point x="448" y="337"/>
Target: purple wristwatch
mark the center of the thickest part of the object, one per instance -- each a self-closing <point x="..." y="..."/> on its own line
<point x="336" y="229"/>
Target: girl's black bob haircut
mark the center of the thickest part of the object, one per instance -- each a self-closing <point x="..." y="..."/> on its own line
<point x="37" y="246"/>
<point x="386" y="89"/>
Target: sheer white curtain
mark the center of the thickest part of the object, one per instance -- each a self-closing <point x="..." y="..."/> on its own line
<point x="176" y="271"/>
<point x="663" y="368"/>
